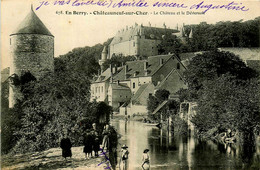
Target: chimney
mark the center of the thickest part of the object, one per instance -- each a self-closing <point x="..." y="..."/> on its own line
<point x="145" y="65"/>
<point x="115" y="68"/>
<point x="135" y="73"/>
<point x="145" y="72"/>
<point x="161" y="61"/>
<point x="126" y="70"/>
<point x="164" y="25"/>
<point x="111" y="73"/>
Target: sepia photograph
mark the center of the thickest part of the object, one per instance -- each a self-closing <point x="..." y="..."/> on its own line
<point x="130" y="84"/>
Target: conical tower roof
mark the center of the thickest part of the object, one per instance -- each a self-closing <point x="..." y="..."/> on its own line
<point x="32" y="25"/>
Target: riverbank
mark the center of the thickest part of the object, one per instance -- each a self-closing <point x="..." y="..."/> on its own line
<point x="135" y="118"/>
<point x="52" y="159"/>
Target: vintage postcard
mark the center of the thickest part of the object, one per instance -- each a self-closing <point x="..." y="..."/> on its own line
<point x="130" y="84"/>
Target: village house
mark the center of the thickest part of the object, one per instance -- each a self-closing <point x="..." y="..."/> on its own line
<point x="127" y="88"/>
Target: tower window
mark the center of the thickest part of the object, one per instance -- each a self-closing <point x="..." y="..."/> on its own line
<point x="133" y="85"/>
<point x="133" y="44"/>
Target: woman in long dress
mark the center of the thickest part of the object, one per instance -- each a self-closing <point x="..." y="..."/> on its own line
<point x="66" y="145"/>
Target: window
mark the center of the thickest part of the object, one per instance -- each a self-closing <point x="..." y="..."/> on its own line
<point x="133" y="85"/>
<point x="178" y="66"/>
<point x="133" y="44"/>
<point x="102" y="89"/>
<point x="10" y="41"/>
<point x="96" y="89"/>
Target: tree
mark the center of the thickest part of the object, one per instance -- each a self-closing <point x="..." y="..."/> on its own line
<point x="229" y="103"/>
<point x="169" y="44"/>
<point x="227" y="93"/>
<point x="211" y="65"/>
<point x="162" y="95"/>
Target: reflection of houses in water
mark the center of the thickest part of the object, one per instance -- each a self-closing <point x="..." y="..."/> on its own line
<point x="187" y="111"/>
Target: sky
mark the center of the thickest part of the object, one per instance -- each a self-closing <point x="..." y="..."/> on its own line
<point x="71" y="31"/>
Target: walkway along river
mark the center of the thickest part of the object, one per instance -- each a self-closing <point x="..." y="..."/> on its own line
<point x="177" y="152"/>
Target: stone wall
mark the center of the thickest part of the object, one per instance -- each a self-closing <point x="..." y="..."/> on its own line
<point x="32" y="52"/>
<point x="148" y="47"/>
<point x="125" y="48"/>
<point x="138" y="46"/>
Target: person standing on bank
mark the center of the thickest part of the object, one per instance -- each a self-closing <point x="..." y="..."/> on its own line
<point x="66" y="145"/>
<point x="146" y="158"/>
<point x="124" y="157"/>
<point x="106" y="134"/>
<point x="96" y="140"/>
<point x="88" y="142"/>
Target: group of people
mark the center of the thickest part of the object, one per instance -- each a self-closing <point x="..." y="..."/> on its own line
<point x="92" y="141"/>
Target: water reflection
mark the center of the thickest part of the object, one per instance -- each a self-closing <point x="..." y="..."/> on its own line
<point x="169" y="151"/>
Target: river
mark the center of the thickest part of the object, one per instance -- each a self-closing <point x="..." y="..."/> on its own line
<point x="176" y="152"/>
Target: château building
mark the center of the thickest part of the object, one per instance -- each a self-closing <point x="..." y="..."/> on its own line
<point x="139" y="40"/>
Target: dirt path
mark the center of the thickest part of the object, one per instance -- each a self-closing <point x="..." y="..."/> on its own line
<point x="52" y="159"/>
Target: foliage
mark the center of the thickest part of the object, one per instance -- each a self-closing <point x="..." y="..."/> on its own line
<point x="118" y="60"/>
<point x="10" y="122"/>
<point x="226" y="91"/>
<point x="10" y="118"/>
<point x="169" y="44"/>
<point x="58" y="101"/>
<point x="211" y="36"/>
<point x="179" y="126"/>
<point x="224" y="34"/>
<point x="228" y="103"/>
<point x="211" y="65"/>
<point x="162" y="95"/>
<point x="152" y="103"/>
<point x="184" y="94"/>
<point x="171" y="107"/>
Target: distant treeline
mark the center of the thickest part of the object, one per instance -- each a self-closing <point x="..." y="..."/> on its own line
<point x="224" y="34"/>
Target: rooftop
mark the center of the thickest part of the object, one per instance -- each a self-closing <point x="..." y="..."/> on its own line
<point x="139" y="30"/>
<point x="136" y="68"/>
<point x="32" y="25"/>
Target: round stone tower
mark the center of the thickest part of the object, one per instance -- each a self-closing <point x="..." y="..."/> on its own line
<point x="32" y="49"/>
